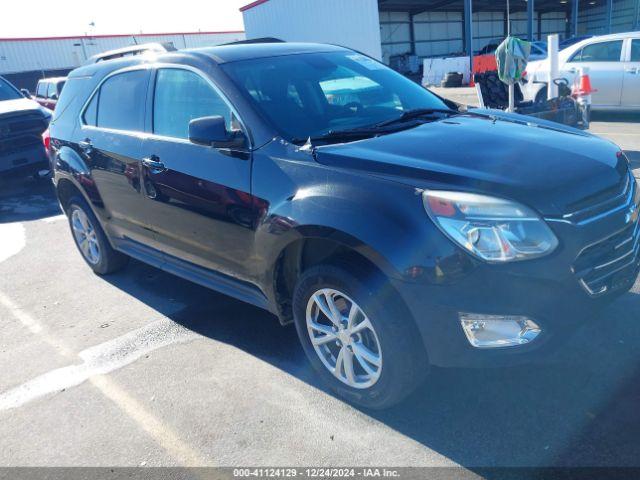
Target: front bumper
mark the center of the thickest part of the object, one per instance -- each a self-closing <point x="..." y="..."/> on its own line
<point x="559" y="307"/>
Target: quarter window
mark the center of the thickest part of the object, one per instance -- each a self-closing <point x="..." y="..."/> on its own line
<point x="90" y="116"/>
<point x="635" y="51"/>
<point x="180" y="96"/>
<point x="121" y="101"/>
<point x="599" y="52"/>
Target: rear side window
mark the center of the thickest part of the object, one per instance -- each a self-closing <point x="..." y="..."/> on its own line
<point x="599" y="52"/>
<point x="90" y="116"/>
<point x="180" y="96"/>
<point x="635" y="51"/>
<point x="121" y="101"/>
<point x="41" y="89"/>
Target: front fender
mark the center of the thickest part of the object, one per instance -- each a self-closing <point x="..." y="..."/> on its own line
<point x="381" y="219"/>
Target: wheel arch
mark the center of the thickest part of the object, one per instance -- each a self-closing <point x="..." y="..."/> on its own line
<point x="315" y="245"/>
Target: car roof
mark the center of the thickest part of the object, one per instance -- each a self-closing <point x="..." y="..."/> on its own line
<point x="237" y="52"/>
<point x="570" y="50"/>
<point x="52" y="79"/>
<point x="219" y="54"/>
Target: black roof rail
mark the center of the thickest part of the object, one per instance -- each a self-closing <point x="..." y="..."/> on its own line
<point x="257" y="40"/>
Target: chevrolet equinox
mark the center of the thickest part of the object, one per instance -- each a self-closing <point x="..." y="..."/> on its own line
<point x="394" y="230"/>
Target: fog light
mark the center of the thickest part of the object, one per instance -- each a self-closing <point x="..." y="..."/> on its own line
<point x="494" y="331"/>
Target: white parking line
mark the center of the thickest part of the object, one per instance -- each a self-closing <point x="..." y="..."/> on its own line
<point x="13" y="240"/>
<point x="97" y="362"/>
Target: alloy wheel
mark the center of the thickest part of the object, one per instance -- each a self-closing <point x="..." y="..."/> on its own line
<point x="344" y="338"/>
<point x="85" y="235"/>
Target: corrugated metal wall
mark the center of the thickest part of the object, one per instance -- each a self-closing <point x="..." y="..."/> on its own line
<point x="593" y="21"/>
<point x="353" y="23"/>
<point x="65" y="53"/>
<point x="440" y="33"/>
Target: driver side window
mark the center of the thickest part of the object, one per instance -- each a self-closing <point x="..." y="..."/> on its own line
<point x="599" y="52"/>
<point x="179" y="97"/>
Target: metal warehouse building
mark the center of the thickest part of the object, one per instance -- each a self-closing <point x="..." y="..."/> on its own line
<point x="24" y="60"/>
<point x="429" y="28"/>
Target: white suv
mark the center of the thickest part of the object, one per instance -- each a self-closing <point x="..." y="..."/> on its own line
<point x="614" y="70"/>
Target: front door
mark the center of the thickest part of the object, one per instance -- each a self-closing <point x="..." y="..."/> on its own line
<point x="110" y="141"/>
<point x="202" y="210"/>
<point x="631" y="83"/>
<point x="604" y="60"/>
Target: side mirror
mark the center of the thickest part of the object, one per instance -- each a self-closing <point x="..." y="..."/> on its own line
<point x="25" y="92"/>
<point x="54" y="96"/>
<point x="212" y="132"/>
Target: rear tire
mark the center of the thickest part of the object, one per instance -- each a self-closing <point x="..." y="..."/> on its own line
<point x="393" y="341"/>
<point x="91" y="239"/>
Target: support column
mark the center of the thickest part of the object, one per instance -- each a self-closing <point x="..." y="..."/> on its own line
<point x="539" y="26"/>
<point x="412" y="34"/>
<point x="609" y="7"/>
<point x="468" y="28"/>
<point x="531" y="13"/>
<point x="574" y="17"/>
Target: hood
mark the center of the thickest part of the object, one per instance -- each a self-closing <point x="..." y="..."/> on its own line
<point x="20" y="105"/>
<point x="550" y="167"/>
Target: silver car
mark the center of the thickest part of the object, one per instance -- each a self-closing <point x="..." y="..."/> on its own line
<point x="614" y="70"/>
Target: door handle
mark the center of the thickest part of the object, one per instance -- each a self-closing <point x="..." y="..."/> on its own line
<point x="632" y="70"/>
<point x="86" y="145"/>
<point x="153" y="163"/>
<point x="572" y="70"/>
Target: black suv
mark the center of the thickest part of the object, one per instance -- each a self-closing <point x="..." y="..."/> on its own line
<point x="394" y="230"/>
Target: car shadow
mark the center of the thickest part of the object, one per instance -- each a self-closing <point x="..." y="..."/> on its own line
<point x="577" y="408"/>
<point x="24" y="199"/>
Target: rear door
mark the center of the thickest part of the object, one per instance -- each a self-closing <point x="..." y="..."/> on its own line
<point x="604" y="60"/>
<point x="631" y="83"/>
<point x="112" y="126"/>
<point x="202" y="211"/>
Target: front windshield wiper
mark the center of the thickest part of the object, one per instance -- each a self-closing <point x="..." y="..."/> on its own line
<point x="417" y="113"/>
<point x="378" y="128"/>
<point x="351" y="133"/>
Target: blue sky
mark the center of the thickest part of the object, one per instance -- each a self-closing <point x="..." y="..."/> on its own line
<point x="39" y="18"/>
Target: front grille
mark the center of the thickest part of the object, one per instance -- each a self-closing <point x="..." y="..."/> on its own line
<point x="612" y="263"/>
<point x="615" y="200"/>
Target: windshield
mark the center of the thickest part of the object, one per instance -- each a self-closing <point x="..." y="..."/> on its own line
<point x="309" y="95"/>
<point x="7" y="91"/>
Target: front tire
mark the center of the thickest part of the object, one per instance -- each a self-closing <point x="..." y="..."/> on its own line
<point x="91" y="239"/>
<point x="358" y="336"/>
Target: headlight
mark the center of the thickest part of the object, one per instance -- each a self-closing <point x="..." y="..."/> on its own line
<point x="492" y="229"/>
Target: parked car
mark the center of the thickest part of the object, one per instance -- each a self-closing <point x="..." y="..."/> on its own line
<point x="22" y="122"/>
<point x="614" y="70"/>
<point x="393" y="231"/>
<point x="538" y="51"/>
<point x="48" y="91"/>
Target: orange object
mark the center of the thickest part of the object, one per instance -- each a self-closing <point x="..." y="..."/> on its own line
<point x="583" y="86"/>
<point x="483" y="63"/>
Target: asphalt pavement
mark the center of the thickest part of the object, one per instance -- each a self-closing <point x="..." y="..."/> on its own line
<point x="143" y="368"/>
